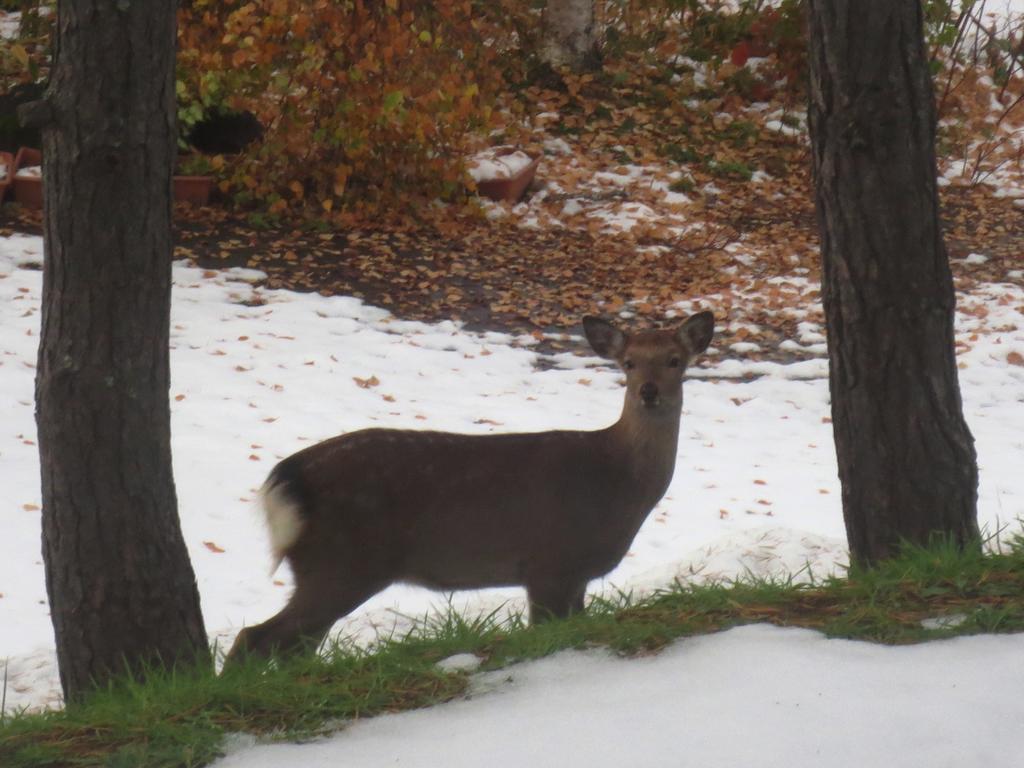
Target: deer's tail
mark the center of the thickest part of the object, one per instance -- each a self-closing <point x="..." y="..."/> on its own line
<point x="283" y="512"/>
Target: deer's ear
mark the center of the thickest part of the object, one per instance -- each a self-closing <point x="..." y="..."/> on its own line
<point x="607" y="340"/>
<point x="695" y="334"/>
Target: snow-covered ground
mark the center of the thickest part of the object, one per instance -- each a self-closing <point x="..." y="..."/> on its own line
<point x="753" y="696"/>
<point x="259" y="374"/>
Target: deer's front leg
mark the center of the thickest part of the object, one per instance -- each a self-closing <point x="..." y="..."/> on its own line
<point x="555" y="598"/>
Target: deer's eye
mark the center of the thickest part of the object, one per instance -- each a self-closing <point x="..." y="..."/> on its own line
<point x="675" y="362"/>
<point x="629" y="365"/>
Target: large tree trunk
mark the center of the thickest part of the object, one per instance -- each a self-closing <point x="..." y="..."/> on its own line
<point x="906" y="457"/>
<point x="568" y="36"/>
<point x="121" y="587"/>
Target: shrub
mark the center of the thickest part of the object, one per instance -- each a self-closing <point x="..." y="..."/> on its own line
<point x="362" y="103"/>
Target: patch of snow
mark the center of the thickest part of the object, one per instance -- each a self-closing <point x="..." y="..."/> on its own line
<point x="743" y="347"/>
<point x="497" y="163"/>
<point x="571" y="207"/>
<point x="10" y="23"/>
<point x="460" y="662"/>
<point x="950" y="621"/>
<point x="557" y="146"/>
<point x="796" y="697"/>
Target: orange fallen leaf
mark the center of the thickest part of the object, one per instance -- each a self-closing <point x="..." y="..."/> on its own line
<point x="179" y="398"/>
<point x="30" y="507"/>
<point x="212" y="547"/>
<point x="373" y="381"/>
<point x="1015" y="358"/>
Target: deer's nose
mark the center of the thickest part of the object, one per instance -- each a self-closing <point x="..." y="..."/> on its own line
<point x="649" y="393"/>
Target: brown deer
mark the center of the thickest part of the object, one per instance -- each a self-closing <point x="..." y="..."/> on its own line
<point x="548" y="510"/>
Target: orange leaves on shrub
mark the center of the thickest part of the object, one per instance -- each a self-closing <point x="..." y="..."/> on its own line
<point x="363" y="103"/>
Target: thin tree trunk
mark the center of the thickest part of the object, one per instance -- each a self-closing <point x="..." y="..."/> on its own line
<point x="121" y="587"/>
<point x="568" y="34"/>
<point x="906" y="457"/>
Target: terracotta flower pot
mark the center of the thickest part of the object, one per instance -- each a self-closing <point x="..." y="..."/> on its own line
<point x="7" y="172"/>
<point x="28" y="190"/>
<point x="193" y="189"/>
<point x="513" y="187"/>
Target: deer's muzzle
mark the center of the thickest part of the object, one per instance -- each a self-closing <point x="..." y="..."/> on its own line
<point x="649" y="394"/>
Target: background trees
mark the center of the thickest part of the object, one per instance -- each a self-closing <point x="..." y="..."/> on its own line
<point x="121" y="588"/>
<point x="906" y="457"/>
<point x="569" y="38"/>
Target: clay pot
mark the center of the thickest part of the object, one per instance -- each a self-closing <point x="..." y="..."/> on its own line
<point x="512" y="188"/>
<point x="7" y="161"/>
<point x="28" y="190"/>
<point x="192" y="189"/>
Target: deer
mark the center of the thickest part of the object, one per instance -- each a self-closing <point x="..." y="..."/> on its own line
<point x="548" y="511"/>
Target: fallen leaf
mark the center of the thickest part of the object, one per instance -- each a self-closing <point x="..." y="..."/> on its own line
<point x="373" y="381"/>
<point x="212" y="547"/>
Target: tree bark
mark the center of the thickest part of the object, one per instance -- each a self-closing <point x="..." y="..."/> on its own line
<point x="568" y="38"/>
<point x="906" y="457"/>
<point x="121" y="587"/>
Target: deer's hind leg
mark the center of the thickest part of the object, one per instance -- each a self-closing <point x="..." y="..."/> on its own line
<point x="303" y="623"/>
<point x="555" y="598"/>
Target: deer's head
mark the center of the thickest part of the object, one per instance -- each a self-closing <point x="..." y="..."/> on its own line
<point x="653" y="360"/>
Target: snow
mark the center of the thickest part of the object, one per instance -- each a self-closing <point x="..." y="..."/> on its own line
<point x="29" y="172"/>
<point x="10" y="21"/>
<point x="756" y="695"/>
<point x="497" y="164"/>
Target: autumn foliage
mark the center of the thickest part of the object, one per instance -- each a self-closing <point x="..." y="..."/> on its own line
<point x="363" y="102"/>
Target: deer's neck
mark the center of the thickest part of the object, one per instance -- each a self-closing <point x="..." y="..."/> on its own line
<point x="648" y="441"/>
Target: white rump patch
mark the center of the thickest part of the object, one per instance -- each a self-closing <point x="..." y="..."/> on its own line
<point x="284" y="521"/>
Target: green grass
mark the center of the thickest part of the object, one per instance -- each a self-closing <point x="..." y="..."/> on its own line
<point x="180" y="719"/>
